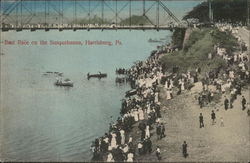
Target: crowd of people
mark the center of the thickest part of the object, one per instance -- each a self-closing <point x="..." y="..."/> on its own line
<point x="229" y="81"/>
<point x="142" y="108"/>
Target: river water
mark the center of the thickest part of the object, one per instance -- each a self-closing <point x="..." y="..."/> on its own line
<point x="42" y="122"/>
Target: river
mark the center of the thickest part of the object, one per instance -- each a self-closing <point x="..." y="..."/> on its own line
<point x="43" y="122"/>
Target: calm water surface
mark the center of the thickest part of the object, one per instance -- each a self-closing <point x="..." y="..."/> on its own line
<point x="42" y="122"/>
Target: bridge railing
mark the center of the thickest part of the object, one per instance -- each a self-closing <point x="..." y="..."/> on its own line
<point x="89" y="26"/>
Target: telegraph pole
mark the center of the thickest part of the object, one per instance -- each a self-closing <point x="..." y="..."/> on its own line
<point x="248" y="18"/>
<point x="210" y="12"/>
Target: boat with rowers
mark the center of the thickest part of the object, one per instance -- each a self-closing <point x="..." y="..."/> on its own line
<point x="99" y="75"/>
<point x="65" y="83"/>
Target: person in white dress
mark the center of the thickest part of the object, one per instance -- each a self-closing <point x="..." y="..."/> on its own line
<point x="156" y="97"/>
<point x="235" y="58"/>
<point x="205" y="87"/>
<point x="231" y="74"/>
<point x="130" y="139"/>
<point x="122" y="132"/>
<point x="109" y="147"/>
<point x="125" y="149"/>
<point x="171" y="83"/>
<point x="147" y="132"/>
<point x="223" y="88"/>
<point x="168" y="93"/>
<point x="113" y="140"/>
<point x="182" y="86"/>
<point x="106" y="140"/>
<point x="166" y="84"/>
<point x="130" y="157"/>
<point x="141" y="114"/>
<point x="148" y="108"/>
<point x="191" y="79"/>
<point x="136" y="114"/>
<point x="110" y="158"/>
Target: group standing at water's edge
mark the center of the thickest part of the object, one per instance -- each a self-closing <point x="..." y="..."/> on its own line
<point x="144" y="109"/>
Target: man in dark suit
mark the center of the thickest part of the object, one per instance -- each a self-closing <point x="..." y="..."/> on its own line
<point x="201" y="120"/>
<point x="184" y="149"/>
<point x="243" y="102"/>
<point x="226" y="102"/>
<point x="213" y="117"/>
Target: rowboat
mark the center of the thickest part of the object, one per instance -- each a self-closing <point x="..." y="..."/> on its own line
<point x="100" y="75"/>
<point x="151" y="40"/>
<point x="65" y="83"/>
<point x="131" y="93"/>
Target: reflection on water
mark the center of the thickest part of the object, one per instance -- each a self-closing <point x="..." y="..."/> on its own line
<point x="43" y="122"/>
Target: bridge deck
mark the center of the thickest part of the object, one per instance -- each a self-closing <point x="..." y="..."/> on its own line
<point x="93" y="28"/>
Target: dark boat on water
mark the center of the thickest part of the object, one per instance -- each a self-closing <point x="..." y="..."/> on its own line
<point x="151" y="40"/>
<point x="4" y="29"/>
<point x="53" y="73"/>
<point x="131" y="93"/>
<point x="19" y="29"/>
<point x="65" y="83"/>
<point x="100" y="75"/>
<point x="121" y="71"/>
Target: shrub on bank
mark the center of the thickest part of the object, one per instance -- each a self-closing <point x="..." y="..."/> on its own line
<point x="195" y="53"/>
<point x="224" y="40"/>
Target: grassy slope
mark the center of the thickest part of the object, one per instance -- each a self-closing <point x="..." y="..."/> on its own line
<point x="195" y="53"/>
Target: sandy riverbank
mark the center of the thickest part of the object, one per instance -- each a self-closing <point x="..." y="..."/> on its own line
<point x="212" y="143"/>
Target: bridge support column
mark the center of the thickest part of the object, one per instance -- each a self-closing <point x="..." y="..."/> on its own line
<point x="130" y="14"/>
<point x="102" y="12"/>
<point x="89" y="14"/>
<point x="21" y="6"/>
<point x="16" y="16"/>
<point x="45" y="14"/>
<point x="158" y="14"/>
<point x="144" y="7"/>
<point x="62" y="12"/>
<point x="75" y="9"/>
<point x="116" y="14"/>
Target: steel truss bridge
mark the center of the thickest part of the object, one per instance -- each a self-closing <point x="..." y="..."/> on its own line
<point x="87" y="14"/>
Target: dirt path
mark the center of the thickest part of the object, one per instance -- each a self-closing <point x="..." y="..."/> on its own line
<point x="244" y="34"/>
<point x="212" y="143"/>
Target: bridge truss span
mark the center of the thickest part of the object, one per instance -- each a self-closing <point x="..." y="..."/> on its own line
<point x="87" y="14"/>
